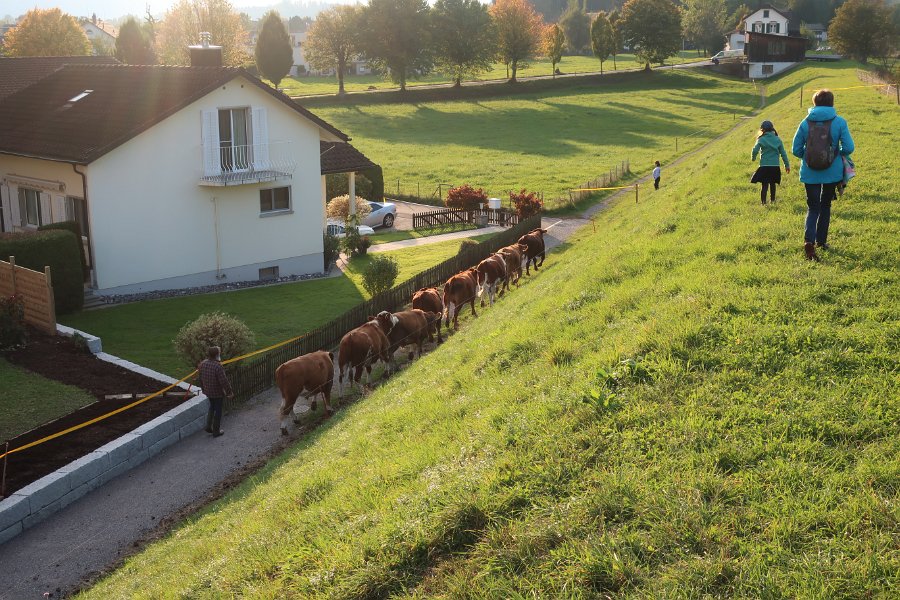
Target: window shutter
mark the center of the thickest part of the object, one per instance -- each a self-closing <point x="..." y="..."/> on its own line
<point x="61" y="210"/>
<point x="260" y="140"/>
<point x="212" y="164"/>
<point x="46" y="209"/>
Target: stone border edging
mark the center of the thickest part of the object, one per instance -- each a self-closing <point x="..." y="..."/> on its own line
<point x="53" y="492"/>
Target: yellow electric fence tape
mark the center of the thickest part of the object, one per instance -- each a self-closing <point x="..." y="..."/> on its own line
<point x="624" y="187"/>
<point x="142" y="400"/>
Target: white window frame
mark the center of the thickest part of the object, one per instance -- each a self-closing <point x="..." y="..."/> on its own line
<point x="240" y="160"/>
<point x="23" y="207"/>
<point x="276" y="211"/>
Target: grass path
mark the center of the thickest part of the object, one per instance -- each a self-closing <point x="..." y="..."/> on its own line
<point x="678" y="405"/>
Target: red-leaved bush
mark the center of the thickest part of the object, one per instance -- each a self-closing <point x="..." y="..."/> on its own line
<point x="466" y="197"/>
<point x="526" y="203"/>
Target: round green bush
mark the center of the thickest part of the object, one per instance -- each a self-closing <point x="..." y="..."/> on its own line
<point x="380" y="274"/>
<point x="213" y="329"/>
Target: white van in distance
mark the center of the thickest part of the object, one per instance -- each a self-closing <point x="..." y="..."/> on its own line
<point x="726" y="54"/>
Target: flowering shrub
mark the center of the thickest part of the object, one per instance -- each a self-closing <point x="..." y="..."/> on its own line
<point x="466" y="197"/>
<point x="339" y="208"/>
<point x="526" y="203"/>
<point x="12" y="322"/>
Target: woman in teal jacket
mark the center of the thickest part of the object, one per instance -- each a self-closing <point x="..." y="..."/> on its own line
<point x="821" y="183"/>
<point x="771" y="148"/>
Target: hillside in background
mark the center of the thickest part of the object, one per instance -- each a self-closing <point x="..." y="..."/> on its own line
<point x="676" y="405"/>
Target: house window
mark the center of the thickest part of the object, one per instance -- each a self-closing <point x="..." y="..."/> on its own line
<point x="268" y="274"/>
<point x="76" y="211"/>
<point x="275" y="199"/>
<point x="765" y="14"/>
<point x="768" y="69"/>
<point x="30" y="207"/>
<point x="234" y="133"/>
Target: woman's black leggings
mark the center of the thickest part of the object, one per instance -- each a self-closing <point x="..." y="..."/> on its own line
<point x="766" y="187"/>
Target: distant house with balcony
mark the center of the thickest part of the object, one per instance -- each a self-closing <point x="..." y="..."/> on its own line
<point x="770" y="39"/>
<point x="178" y="176"/>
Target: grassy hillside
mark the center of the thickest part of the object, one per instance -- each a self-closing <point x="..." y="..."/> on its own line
<point x="552" y="141"/>
<point x="677" y="405"/>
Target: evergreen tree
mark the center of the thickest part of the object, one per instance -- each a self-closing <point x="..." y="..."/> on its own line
<point x="576" y="25"/>
<point x="134" y="46"/>
<point x="273" y="52"/>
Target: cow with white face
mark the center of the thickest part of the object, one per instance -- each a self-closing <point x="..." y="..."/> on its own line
<point x="408" y="328"/>
<point x="491" y="275"/>
<point x="360" y="348"/>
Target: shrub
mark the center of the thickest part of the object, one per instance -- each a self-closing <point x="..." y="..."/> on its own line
<point x="380" y="274"/>
<point x="213" y="329"/>
<point x="465" y="245"/>
<point x="75" y="228"/>
<point x="526" y="203"/>
<point x="353" y="243"/>
<point x="338" y="184"/>
<point x="376" y="176"/>
<point x="12" y="322"/>
<point x="331" y="249"/>
<point x="466" y="197"/>
<point x="57" y="250"/>
<point x="339" y="208"/>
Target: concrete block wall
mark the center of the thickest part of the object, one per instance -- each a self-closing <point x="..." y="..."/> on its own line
<point x="37" y="501"/>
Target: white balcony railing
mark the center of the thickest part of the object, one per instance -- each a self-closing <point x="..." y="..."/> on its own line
<point x="224" y="164"/>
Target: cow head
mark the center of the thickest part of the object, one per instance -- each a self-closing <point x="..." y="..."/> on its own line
<point x="386" y="321"/>
<point x="522" y="247"/>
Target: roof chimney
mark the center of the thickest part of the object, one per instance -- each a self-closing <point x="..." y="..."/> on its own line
<point x="205" y="55"/>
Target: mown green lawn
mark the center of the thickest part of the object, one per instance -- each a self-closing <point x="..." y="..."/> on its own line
<point x="28" y="400"/>
<point x="314" y="85"/>
<point x="548" y="142"/>
<point x="677" y="405"/>
<point x="397" y="235"/>
<point x="142" y="332"/>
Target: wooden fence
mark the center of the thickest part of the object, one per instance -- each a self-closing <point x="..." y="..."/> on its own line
<point x="35" y="288"/>
<point x="435" y="219"/>
<point x="256" y="375"/>
<point x="601" y="181"/>
<point x="884" y="86"/>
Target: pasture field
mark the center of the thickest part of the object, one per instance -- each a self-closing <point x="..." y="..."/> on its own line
<point x="677" y="405"/>
<point x="315" y="85"/>
<point x="28" y="400"/>
<point x="142" y="332"/>
<point x="548" y="142"/>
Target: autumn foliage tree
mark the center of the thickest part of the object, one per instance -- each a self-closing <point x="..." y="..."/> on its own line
<point x="602" y="38"/>
<point x="49" y="32"/>
<point x="518" y="28"/>
<point x="273" y="52"/>
<point x="183" y="23"/>
<point x="554" y="43"/>
<point x="863" y="29"/>
<point x="652" y="28"/>
<point x="331" y="41"/>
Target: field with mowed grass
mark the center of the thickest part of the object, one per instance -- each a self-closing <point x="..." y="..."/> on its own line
<point x="304" y="85"/>
<point x="142" y="332"/>
<point x="547" y="142"/>
<point x="676" y="405"/>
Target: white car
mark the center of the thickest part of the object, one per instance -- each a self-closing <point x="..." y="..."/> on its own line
<point x="383" y="213"/>
<point x="337" y="229"/>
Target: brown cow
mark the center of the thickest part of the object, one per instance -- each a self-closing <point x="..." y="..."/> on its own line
<point x="491" y="276"/>
<point x="458" y="290"/>
<point x="534" y="243"/>
<point x="359" y="349"/>
<point x="514" y="256"/>
<point x="310" y="375"/>
<point x="429" y="300"/>
<point x="408" y="327"/>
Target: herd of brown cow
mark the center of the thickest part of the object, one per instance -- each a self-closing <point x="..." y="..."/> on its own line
<point x="382" y="335"/>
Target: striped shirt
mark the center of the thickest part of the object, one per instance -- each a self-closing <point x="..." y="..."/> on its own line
<point x="213" y="381"/>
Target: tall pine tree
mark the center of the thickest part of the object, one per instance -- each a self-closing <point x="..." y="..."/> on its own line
<point x="273" y="52"/>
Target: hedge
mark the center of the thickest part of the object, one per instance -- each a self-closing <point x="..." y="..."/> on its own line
<point x="75" y="228"/>
<point x="57" y="249"/>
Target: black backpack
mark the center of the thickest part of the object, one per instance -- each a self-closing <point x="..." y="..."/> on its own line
<point x="819" y="145"/>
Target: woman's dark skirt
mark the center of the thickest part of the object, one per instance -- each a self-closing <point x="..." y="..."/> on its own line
<point x="767" y="175"/>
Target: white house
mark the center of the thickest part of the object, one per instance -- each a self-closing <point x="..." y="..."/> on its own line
<point x="768" y="19"/>
<point x="774" y="37"/>
<point x="179" y="176"/>
<point x="735" y="40"/>
<point x="102" y="35"/>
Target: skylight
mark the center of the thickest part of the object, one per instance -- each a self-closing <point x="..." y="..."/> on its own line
<point x="80" y="96"/>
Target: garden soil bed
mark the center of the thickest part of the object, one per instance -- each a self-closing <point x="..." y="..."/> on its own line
<point x="61" y="359"/>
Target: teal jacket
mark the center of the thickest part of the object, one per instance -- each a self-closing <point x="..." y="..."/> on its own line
<point x="840" y="137"/>
<point x="771" y="147"/>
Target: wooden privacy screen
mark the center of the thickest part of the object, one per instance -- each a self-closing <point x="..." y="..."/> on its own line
<point x="36" y="290"/>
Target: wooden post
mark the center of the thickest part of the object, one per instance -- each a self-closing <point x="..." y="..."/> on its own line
<point x="676" y="144"/>
<point x="801" y="96"/>
<point x="897" y="89"/>
<point x="12" y="267"/>
<point x="52" y="298"/>
<point x="3" y="479"/>
<point x="635" y="193"/>
<point x="418" y="190"/>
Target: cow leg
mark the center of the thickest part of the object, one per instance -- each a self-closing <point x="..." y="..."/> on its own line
<point x="450" y="314"/>
<point x="474" y="314"/>
<point x="287" y="406"/>
<point x="438" y="325"/>
<point x="542" y="255"/>
<point x="326" y="398"/>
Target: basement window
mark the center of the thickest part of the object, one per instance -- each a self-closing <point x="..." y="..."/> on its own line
<point x="268" y="274"/>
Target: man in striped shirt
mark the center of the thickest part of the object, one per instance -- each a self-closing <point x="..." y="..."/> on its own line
<point x="215" y="386"/>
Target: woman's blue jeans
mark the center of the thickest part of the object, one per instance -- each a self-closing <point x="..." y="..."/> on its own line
<point x="818" y="215"/>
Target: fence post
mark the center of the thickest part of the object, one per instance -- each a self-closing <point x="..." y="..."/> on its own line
<point x="635" y="193"/>
<point x="801" y="96"/>
<point x="398" y="187"/>
<point x="3" y="479"/>
<point x="12" y="266"/>
<point x="418" y="190"/>
<point x="50" y="294"/>
<point x="676" y="144"/>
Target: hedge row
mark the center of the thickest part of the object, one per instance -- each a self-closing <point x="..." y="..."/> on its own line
<point x="75" y="228"/>
<point x="58" y="249"/>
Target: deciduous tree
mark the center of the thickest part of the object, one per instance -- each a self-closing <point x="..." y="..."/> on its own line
<point x="49" y="32"/>
<point x="399" y="42"/>
<point x="518" y="29"/>
<point x="652" y="28"/>
<point x="273" y="52"/>
<point x="863" y="29"/>
<point x="576" y="25"/>
<point x="331" y="41"/>
<point x="602" y="38"/>
<point x="615" y="23"/>
<point x="134" y="46"/>
<point x="463" y="40"/>
<point x="183" y="23"/>
<point x="704" y="23"/>
<point x="553" y="43"/>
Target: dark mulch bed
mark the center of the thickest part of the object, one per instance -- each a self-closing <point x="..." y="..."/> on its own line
<point x="61" y="359"/>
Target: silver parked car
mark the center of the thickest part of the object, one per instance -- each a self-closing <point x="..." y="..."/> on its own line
<point x="336" y="228"/>
<point x="383" y="213"/>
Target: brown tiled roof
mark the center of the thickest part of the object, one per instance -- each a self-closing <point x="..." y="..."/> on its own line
<point x="125" y="100"/>
<point x="341" y="157"/>
<point x="18" y="73"/>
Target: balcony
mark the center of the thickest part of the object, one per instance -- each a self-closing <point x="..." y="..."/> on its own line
<point x="225" y="164"/>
